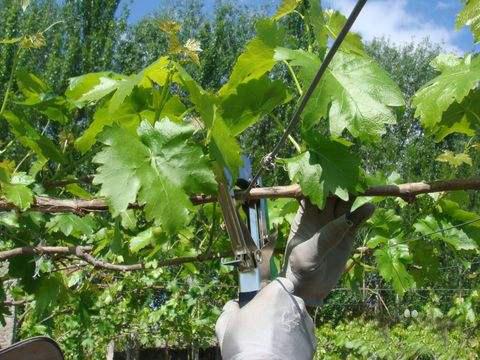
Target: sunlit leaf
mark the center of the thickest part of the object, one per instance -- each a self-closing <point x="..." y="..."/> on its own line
<point x="354" y="94"/>
<point x="444" y="100"/>
<point x="257" y="59"/>
<point x="453" y="159"/>
<point x="286" y="7"/>
<point x="470" y="16"/>
<point x="159" y="167"/>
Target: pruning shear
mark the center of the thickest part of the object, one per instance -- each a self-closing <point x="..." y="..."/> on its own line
<point x="251" y="243"/>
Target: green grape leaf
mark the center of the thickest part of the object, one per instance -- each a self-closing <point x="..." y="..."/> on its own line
<point x="79" y="192"/>
<point x="427" y="262"/>
<point x="453" y="159"/>
<point x="354" y="94"/>
<point x="286" y="7"/>
<point x="391" y="263"/>
<point x="470" y="16"/>
<point x="309" y="175"/>
<point x="50" y="292"/>
<point x="173" y="109"/>
<point x="252" y="100"/>
<point x="29" y="137"/>
<point x="385" y="223"/>
<point x="257" y="59"/>
<point x="334" y="22"/>
<point x="71" y="224"/>
<point x="158" y="168"/>
<point x="315" y="17"/>
<point x="86" y="89"/>
<point x="39" y="95"/>
<point x="11" y="41"/>
<point x="446" y="232"/>
<point x="151" y="236"/>
<point x="328" y="168"/>
<point x="453" y="85"/>
<point x="454" y="211"/>
<point x="461" y="118"/>
<point x="124" y="89"/>
<point x="129" y="219"/>
<point x="31" y="85"/>
<point x="158" y="72"/>
<point x="281" y="210"/>
<point x="19" y="195"/>
<point x="9" y="219"/>
<point x="126" y="116"/>
<point x="223" y="145"/>
<point x="341" y="168"/>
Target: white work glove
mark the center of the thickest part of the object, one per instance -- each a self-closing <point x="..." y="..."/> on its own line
<point x="319" y="245"/>
<point x="274" y="325"/>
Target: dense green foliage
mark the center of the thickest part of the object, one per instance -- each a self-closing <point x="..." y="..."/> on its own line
<point x="154" y="109"/>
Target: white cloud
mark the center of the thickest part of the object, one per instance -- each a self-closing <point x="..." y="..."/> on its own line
<point x="391" y="19"/>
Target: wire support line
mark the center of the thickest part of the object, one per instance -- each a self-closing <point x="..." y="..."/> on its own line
<point x="434" y="232"/>
<point x="410" y="290"/>
<point x="267" y="161"/>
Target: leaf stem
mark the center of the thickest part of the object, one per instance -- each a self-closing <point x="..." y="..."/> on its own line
<point x="10" y="81"/>
<point x="295" y="144"/>
<point x="294" y="77"/>
<point x="52" y="25"/>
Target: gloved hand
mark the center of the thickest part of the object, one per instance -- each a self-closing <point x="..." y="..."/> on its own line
<point x="319" y="245"/>
<point x="274" y="325"/>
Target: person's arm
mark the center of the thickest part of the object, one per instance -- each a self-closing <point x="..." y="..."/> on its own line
<point x="275" y="324"/>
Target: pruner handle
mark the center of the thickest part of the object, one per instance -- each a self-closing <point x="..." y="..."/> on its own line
<point x="245" y="297"/>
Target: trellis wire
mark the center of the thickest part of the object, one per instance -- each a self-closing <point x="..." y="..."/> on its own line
<point x="269" y="158"/>
<point x="434" y="232"/>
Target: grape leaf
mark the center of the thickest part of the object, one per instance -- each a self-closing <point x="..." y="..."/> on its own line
<point x="308" y="175"/>
<point x="17" y="194"/>
<point x="355" y="93"/>
<point x="157" y="72"/>
<point x="86" y="89"/>
<point x="50" y="292"/>
<point x="391" y="261"/>
<point x="461" y="118"/>
<point x="470" y="16"/>
<point x="29" y="137"/>
<point x="340" y="167"/>
<point x="285" y="8"/>
<point x="453" y="85"/>
<point x="126" y="115"/>
<point x="315" y="17"/>
<point x="129" y="219"/>
<point x="453" y="159"/>
<point x="281" y="210"/>
<point x="328" y="168"/>
<point x="253" y="99"/>
<point x="257" y="59"/>
<point x="223" y="145"/>
<point x="71" y="224"/>
<point x="39" y="95"/>
<point x="444" y="231"/>
<point x="124" y="89"/>
<point x="158" y="168"/>
<point x="77" y="191"/>
<point x="334" y="22"/>
<point x="31" y="85"/>
<point x="151" y="236"/>
<point x="386" y="223"/>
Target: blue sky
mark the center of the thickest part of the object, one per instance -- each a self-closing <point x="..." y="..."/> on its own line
<point x="398" y="20"/>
